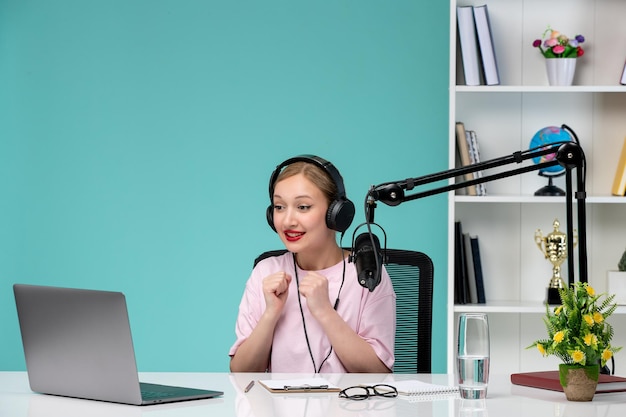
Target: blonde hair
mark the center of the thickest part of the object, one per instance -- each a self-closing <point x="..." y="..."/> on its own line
<point x="313" y="173"/>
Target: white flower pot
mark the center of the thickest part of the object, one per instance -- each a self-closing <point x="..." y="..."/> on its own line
<point x="616" y="284"/>
<point x="560" y="70"/>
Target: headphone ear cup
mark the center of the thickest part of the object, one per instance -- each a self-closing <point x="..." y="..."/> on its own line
<point x="269" y="214"/>
<point x="340" y="214"/>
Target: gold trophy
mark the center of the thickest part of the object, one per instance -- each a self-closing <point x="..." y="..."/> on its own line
<point x="554" y="247"/>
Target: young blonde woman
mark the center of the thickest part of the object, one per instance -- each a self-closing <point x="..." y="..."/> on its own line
<point x="305" y="311"/>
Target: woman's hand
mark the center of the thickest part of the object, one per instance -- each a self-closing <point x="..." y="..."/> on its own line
<point x="275" y="291"/>
<point x="253" y="355"/>
<point x="314" y="287"/>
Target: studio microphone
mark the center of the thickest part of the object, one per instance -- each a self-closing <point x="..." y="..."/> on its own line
<point x="368" y="260"/>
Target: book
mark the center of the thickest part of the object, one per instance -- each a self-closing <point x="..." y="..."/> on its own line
<point x="460" y="292"/>
<point x="474" y="151"/>
<point x="485" y="43"/>
<point x="623" y="79"/>
<point x="469" y="265"/>
<point x="619" y="182"/>
<point x="414" y="387"/>
<point x="478" y="270"/>
<point x="299" y="385"/>
<point x="463" y="151"/>
<point x="469" y="44"/>
<point x="550" y="380"/>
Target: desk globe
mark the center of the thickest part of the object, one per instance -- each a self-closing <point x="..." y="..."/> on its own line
<point x="543" y="138"/>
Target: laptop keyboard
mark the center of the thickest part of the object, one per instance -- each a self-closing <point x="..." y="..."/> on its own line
<point x="155" y="391"/>
<point x="155" y="395"/>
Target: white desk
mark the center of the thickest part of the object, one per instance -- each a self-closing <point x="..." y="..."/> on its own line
<point x="504" y="399"/>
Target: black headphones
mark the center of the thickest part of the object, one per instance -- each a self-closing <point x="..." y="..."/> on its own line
<point x="340" y="211"/>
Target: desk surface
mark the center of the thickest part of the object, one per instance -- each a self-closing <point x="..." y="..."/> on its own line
<point x="503" y="399"/>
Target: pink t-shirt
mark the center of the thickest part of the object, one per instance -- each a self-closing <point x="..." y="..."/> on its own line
<point x="372" y="315"/>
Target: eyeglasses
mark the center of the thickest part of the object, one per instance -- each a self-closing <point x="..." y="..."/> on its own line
<point x="363" y="392"/>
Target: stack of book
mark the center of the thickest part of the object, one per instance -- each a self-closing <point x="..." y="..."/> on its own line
<point x="477" y="50"/>
<point x="468" y="153"/>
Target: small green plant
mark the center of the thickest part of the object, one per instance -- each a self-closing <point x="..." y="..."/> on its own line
<point x="621" y="265"/>
<point x="577" y="329"/>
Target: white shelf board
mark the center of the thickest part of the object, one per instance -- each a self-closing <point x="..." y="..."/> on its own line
<point x="511" y="307"/>
<point x="534" y="200"/>
<point x="541" y="89"/>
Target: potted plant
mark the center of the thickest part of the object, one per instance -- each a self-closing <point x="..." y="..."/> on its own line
<point x="616" y="280"/>
<point x="579" y="335"/>
<point x="621" y="265"/>
<point x="557" y="45"/>
<point x="561" y="53"/>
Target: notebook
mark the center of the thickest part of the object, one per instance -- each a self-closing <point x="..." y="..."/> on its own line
<point x="414" y="387"/>
<point x="77" y="343"/>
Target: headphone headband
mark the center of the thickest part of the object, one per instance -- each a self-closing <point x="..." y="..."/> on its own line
<point x="340" y="211"/>
<point x="312" y="159"/>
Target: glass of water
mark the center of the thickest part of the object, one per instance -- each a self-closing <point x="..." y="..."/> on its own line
<point x="473" y="355"/>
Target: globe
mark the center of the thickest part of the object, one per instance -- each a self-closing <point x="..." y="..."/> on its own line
<point x="546" y="137"/>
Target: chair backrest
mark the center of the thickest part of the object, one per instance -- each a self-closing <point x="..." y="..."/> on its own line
<point x="411" y="273"/>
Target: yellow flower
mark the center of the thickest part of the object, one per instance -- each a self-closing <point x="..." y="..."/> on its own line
<point x="590" y="339"/>
<point x="578" y="332"/>
<point x="598" y="317"/>
<point x="559" y="336"/>
<point x="541" y="349"/>
<point x="578" y="356"/>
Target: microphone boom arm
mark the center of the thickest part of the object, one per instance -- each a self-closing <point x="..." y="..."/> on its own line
<point x="569" y="155"/>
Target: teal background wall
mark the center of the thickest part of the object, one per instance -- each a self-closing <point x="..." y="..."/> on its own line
<point x="137" y="138"/>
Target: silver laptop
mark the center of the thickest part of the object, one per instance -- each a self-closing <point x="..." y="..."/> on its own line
<point x="77" y="343"/>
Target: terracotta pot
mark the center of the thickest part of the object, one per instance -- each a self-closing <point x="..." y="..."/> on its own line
<point x="579" y="382"/>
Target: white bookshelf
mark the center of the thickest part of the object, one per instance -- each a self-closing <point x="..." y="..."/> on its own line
<point x="505" y="118"/>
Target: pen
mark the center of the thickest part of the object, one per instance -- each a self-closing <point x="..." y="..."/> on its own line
<point x="249" y="387"/>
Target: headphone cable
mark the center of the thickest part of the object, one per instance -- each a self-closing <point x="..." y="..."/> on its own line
<point x="306" y="335"/>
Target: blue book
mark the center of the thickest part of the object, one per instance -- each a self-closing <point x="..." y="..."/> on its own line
<point x="478" y="270"/>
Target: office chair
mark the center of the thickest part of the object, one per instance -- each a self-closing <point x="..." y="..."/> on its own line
<point x="412" y="275"/>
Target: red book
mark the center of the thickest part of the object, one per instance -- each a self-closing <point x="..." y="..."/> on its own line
<point x="550" y="380"/>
